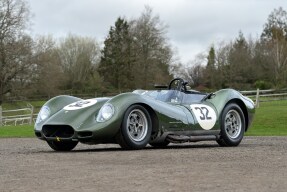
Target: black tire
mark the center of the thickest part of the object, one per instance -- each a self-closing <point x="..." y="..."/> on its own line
<point x="136" y="128"/>
<point x="160" y="145"/>
<point x="62" y="145"/>
<point x="232" y="126"/>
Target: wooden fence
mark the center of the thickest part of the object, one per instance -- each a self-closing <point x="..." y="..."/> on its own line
<point x="27" y="116"/>
<point x="17" y="116"/>
<point x="266" y="95"/>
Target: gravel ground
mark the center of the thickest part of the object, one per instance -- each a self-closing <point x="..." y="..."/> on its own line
<point x="258" y="164"/>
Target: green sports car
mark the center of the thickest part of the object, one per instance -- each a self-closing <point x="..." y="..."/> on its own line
<point x="171" y="114"/>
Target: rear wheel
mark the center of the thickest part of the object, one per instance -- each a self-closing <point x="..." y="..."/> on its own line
<point x="135" y="129"/>
<point x="232" y="126"/>
<point x="62" y="145"/>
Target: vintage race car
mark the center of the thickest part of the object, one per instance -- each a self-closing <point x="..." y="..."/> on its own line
<point x="171" y="114"/>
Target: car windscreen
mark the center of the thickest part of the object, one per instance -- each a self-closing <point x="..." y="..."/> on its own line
<point x="192" y="98"/>
<point x="174" y="96"/>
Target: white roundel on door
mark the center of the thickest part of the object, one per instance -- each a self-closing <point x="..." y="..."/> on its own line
<point x="205" y="115"/>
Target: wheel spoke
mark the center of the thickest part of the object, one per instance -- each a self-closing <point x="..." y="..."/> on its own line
<point x="228" y="123"/>
<point x="137" y="124"/>
<point x="233" y="124"/>
<point x="131" y="130"/>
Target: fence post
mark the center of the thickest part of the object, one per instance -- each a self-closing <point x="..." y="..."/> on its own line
<point x="1" y="115"/>
<point x="32" y="112"/>
<point x="257" y="99"/>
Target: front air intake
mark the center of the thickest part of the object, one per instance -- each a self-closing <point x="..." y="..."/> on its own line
<point x="62" y="131"/>
<point x="84" y="134"/>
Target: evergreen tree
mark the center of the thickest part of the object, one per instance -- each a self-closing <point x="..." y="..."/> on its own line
<point x="238" y="71"/>
<point x="136" y="53"/>
<point x="210" y="69"/>
<point x="116" y="62"/>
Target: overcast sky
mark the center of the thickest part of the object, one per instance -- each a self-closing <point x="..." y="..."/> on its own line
<point x="194" y="25"/>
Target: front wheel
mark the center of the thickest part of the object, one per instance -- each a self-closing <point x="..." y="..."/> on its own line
<point x="136" y="128"/>
<point x="62" y="145"/>
<point x="232" y="126"/>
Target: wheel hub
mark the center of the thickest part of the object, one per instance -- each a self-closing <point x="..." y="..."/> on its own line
<point x="137" y="125"/>
<point x="233" y="124"/>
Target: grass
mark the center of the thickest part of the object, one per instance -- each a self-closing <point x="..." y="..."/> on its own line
<point x="20" y="130"/>
<point x="17" y="131"/>
<point x="270" y="120"/>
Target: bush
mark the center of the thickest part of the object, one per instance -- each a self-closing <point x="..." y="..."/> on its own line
<point x="260" y="84"/>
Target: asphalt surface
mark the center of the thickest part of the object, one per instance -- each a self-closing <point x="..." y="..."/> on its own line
<point x="258" y="164"/>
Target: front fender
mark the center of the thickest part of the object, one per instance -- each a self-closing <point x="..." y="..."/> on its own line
<point x="222" y="97"/>
<point x="56" y="104"/>
<point x="225" y="96"/>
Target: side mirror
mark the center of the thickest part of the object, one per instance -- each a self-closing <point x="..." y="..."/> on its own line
<point x="208" y="96"/>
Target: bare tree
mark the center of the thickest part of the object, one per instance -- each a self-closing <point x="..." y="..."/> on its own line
<point x="153" y="53"/>
<point x="14" y="44"/>
<point x="194" y="71"/>
<point x="274" y="38"/>
<point x="48" y="77"/>
<point x="137" y="53"/>
<point x="79" y="58"/>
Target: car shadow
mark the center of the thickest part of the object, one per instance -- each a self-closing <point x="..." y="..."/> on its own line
<point x="116" y="148"/>
<point x="148" y="148"/>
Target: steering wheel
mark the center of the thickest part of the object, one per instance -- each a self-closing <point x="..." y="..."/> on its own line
<point x="181" y="86"/>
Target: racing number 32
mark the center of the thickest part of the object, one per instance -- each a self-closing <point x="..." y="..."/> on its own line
<point x="204" y="113"/>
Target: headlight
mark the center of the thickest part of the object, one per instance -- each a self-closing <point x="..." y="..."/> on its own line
<point x="43" y="114"/>
<point x="106" y="112"/>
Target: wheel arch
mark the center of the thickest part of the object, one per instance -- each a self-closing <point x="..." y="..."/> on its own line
<point x="121" y="136"/>
<point x="242" y="106"/>
<point x="154" y="118"/>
